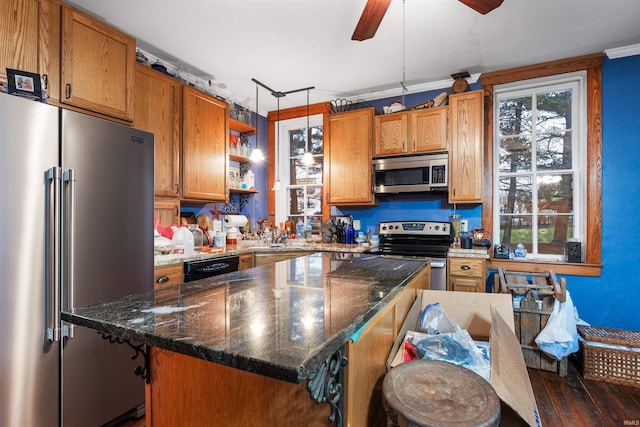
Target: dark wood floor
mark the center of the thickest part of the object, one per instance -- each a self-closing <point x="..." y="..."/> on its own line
<point x="571" y="401"/>
<point x="574" y="401"/>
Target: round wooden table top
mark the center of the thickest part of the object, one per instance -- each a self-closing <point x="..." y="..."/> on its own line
<point x="429" y="393"/>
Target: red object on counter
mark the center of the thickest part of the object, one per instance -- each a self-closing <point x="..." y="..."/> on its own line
<point x="165" y="231"/>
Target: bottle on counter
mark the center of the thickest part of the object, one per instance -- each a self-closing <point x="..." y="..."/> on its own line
<point x="182" y="241"/>
<point x="344" y="232"/>
<point x="351" y="232"/>
<point x="197" y="237"/>
<point x="300" y="228"/>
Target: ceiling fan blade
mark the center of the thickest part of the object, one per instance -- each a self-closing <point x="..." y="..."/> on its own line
<point x="482" y="6"/>
<point x="370" y="19"/>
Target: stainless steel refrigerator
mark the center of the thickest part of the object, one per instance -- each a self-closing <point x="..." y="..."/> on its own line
<point x="76" y="228"/>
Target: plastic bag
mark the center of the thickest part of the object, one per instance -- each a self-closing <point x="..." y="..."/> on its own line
<point x="559" y="338"/>
<point x="434" y="320"/>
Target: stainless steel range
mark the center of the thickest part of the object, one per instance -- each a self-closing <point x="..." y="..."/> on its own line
<point x="419" y="239"/>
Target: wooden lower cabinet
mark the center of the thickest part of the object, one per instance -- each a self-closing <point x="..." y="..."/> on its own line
<point x="368" y="356"/>
<point x="188" y="391"/>
<point x="466" y="274"/>
<point x="167" y="275"/>
<point x="246" y="261"/>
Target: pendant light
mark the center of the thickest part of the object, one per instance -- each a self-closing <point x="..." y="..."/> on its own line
<point x="256" y="154"/>
<point x="277" y="186"/>
<point x="307" y="159"/>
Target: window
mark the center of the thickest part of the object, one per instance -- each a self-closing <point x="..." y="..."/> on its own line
<point x="540" y="164"/>
<point x="302" y="199"/>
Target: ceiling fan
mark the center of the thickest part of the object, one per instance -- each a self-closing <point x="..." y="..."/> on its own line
<point x="374" y="11"/>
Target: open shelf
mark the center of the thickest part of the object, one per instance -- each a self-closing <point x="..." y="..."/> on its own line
<point x="241" y="127"/>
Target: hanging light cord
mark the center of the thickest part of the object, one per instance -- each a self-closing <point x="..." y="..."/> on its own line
<point x="404" y="88"/>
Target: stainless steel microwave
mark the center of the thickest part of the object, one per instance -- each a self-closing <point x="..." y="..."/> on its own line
<point x="419" y="173"/>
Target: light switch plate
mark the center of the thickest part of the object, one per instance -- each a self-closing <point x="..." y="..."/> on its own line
<point x="464" y="226"/>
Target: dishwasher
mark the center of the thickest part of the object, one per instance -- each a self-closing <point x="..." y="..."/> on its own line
<point x="201" y="269"/>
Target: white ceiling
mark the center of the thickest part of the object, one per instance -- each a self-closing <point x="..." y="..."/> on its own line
<point x="292" y="44"/>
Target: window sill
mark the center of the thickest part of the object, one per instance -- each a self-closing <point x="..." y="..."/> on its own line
<point x="571" y="269"/>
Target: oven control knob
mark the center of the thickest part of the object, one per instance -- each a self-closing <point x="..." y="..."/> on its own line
<point x="437" y="227"/>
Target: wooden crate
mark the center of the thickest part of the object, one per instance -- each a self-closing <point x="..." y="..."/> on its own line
<point x="534" y="295"/>
<point x="619" y="365"/>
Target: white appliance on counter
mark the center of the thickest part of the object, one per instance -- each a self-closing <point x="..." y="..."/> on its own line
<point x="76" y="228"/>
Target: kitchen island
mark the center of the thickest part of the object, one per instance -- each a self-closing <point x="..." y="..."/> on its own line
<point x="278" y="337"/>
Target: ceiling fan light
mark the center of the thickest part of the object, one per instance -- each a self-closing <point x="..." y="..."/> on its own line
<point x="277" y="186"/>
<point x="256" y="155"/>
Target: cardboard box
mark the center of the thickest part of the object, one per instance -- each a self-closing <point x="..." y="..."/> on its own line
<point x="487" y="317"/>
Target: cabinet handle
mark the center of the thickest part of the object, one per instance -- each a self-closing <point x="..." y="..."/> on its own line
<point x="465" y="267"/>
<point x="415" y="145"/>
<point x="45" y="78"/>
<point x="162" y="279"/>
<point x="404" y="146"/>
<point x="68" y="91"/>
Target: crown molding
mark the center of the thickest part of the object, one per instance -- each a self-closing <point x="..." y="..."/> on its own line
<point x="621" y="52"/>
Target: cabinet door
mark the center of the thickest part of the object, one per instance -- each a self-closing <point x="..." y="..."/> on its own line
<point x="347" y="159"/>
<point x="167" y="275"/>
<point x="245" y="261"/>
<point x="21" y="35"/>
<point x="391" y="134"/>
<point x="167" y="210"/>
<point x="466" y="152"/>
<point x="97" y="66"/>
<point x="428" y="129"/>
<point x="157" y="110"/>
<point x="204" y="146"/>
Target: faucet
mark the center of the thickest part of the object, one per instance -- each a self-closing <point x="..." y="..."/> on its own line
<point x="280" y="237"/>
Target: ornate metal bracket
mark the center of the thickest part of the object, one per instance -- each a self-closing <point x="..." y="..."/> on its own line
<point x="142" y="371"/>
<point x="325" y="385"/>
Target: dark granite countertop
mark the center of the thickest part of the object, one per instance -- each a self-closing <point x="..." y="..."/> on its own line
<point x="280" y="320"/>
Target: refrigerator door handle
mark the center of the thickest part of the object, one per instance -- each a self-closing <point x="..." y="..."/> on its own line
<point x="69" y="245"/>
<point x="53" y="176"/>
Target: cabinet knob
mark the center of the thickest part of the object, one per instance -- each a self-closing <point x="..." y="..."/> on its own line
<point x="162" y="279"/>
<point x="465" y="267"/>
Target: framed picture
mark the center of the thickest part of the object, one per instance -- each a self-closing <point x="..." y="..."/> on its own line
<point x="24" y="84"/>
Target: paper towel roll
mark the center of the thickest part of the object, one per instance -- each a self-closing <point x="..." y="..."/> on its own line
<point x="235" y="220"/>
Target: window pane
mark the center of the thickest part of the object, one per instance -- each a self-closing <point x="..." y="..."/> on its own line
<point x="554" y="111"/>
<point x="312" y="205"/>
<point x="515" y="195"/>
<point x="555" y="194"/>
<point x="297" y="142"/>
<point x="553" y="233"/>
<point x="516" y="229"/>
<point x="317" y="137"/>
<point x="553" y="151"/>
<point x="515" y="154"/>
<point x="301" y="174"/>
<point x="515" y="116"/>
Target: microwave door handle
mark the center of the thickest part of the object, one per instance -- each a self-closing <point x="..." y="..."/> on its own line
<point x="53" y="178"/>
<point x="70" y="235"/>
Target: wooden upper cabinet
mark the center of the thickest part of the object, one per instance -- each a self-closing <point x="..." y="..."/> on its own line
<point x="96" y="66"/>
<point x="347" y="159"/>
<point x="428" y="129"/>
<point x="205" y="132"/>
<point x="466" y="150"/>
<point x="411" y="132"/>
<point x="24" y="34"/>
<point x="391" y="134"/>
<point x="157" y="110"/>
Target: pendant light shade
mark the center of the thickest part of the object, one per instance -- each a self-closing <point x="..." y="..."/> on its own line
<point x="256" y="154"/>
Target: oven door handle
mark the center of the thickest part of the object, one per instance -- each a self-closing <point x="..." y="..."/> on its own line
<point x="438" y="263"/>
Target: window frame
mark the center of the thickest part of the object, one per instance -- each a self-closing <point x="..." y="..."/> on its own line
<point x="282" y="198"/>
<point x="592" y="64"/>
<point x="530" y="88"/>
